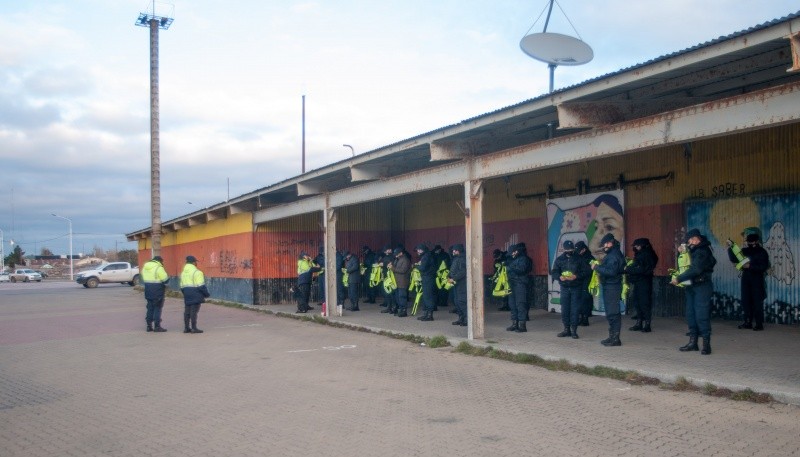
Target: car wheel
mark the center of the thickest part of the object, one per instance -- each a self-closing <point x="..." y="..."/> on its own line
<point x="26" y="279"/>
<point x="135" y="281"/>
<point x="85" y="286"/>
<point x="92" y="283"/>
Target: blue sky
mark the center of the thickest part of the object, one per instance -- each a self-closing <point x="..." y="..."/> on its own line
<point x="74" y="91"/>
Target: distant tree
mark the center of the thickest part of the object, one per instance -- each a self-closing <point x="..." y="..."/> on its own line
<point x="16" y="257"/>
<point x="128" y="255"/>
<point x="99" y="252"/>
<point x="46" y="251"/>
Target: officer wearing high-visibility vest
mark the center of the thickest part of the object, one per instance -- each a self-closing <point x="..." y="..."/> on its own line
<point x="442" y="261"/>
<point x="401" y="268"/>
<point x="155" y="280"/>
<point x="427" y="268"/>
<point x="698" y="293"/>
<point x="386" y="259"/>
<point x="353" y="268"/>
<point x="305" y="269"/>
<point x="369" y="258"/>
<point x="570" y="270"/>
<point x="195" y="292"/>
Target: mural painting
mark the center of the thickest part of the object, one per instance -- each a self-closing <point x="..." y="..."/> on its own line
<point x="779" y="220"/>
<point x="586" y="218"/>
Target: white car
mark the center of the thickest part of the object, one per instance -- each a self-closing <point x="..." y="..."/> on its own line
<point x="4" y="277"/>
<point x="25" y="275"/>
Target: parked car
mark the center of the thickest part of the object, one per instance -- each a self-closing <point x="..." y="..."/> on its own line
<point x="25" y="275"/>
<point x="121" y="272"/>
<point x="4" y="277"/>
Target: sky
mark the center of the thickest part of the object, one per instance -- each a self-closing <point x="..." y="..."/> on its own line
<point x="75" y="91"/>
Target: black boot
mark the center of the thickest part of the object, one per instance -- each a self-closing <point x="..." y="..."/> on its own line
<point x="186" y="328"/>
<point x="607" y="340"/>
<point x="758" y="327"/>
<point x="463" y="321"/>
<point x="457" y="321"/>
<point x="584" y="322"/>
<point x="402" y="313"/>
<point x="613" y="340"/>
<point x="564" y="333"/>
<point x="159" y="328"/>
<point x="691" y="345"/>
<point x="196" y="330"/>
<point x="637" y="327"/>
<point x="574" y="330"/>
<point x="149" y="326"/>
<point x="646" y="327"/>
<point x="745" y="325"/>
<point x="428" y="316"/>
<point x="706" y="345"/>
<point x="521" y="327"/>
<point x="514" y="325"/>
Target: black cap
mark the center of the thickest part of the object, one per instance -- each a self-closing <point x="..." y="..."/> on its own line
<point x="580" y="245"/>
<point x="693" y="233"/>
<point x="386" y="248"/>
<point x="303" y="253"/>
<point x="191" y="259"/>
<point x="641" y="242"/>
<point x="497" y="253"/>
<point x="568" y="245"/>
<point x="397" y="251"/>
<point x="421" y="247"/>
<point x="520" y="247"/>
<point x="158" y="258"/>
<point x="457" y="247"/>
<point x="608" y="237"/>
<point x="438" y="246"/>
<point x="752" y="238"/>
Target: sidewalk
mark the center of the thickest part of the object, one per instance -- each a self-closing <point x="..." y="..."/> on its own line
<point x="766" y="362"/>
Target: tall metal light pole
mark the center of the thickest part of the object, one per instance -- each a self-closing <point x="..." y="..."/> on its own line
<point x="2" y="252"/>
<point x="70" y="243"/>
<point x="154" y="22"/>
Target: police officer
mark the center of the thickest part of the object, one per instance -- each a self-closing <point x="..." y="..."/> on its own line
<point x="499" y="261"/>
<point x="401" y="267"/>
<point x="386" y="261"/>
<point x="427" y="269"/>
<point x="353" y="267"/>
<point x="341" y="291"/>
<point x="610" y="271"/>
<point x="640" y="277"/>
<point x="440" y="256"/>
<point x="195" y="292"/>
<point x="570" y="271"/>
<point x="155" y="280"/>
<point x="370" y="258"/>
<point x="319" y="261"/>
<point x="587" y="300"/>
<point x="754" y="287"/>
<point x="698" y="292"/>
<point x="518" y="266"/>
<point x="458" y="277"/>
<point x="305" y="270"/>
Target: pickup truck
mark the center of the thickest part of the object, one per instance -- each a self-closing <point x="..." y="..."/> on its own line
<point x="115" y="272"/>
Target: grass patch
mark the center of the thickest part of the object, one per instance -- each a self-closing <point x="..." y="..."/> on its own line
<point x="438" y="341"/>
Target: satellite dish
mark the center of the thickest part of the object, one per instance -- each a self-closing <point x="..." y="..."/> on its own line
<point x="556" y="49"/>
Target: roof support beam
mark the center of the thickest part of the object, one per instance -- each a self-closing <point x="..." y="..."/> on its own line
<point x="755" y="110"/>
<point x="366" y="172"/>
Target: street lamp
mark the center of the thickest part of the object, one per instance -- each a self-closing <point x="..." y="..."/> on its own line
<point x="70" y="243"/>
<point x="2" y="252"/>
<point x="352" y="151"/>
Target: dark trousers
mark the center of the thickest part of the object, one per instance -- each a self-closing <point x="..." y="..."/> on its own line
<point x="612" y="294"/>
<point x="190" y="315"/>
<point x="587" y="301"/>
<point x="388" y="298"/>
<point x="570" y="306"/>
<point x="154" y="308"/>
<point x="460" y="294"/>
<point x="303" y="294"/>
<point x="442" y="296"/>
<point x="753" y="295"/>
<point x="642" y="297"/>
<point x="353" y="292"/>
<point x="428" y="293"/>
<point x="698" y="309"/>
<point x="401" y="298"/>
<point x="518" y="301"/>
<point x="321" y="286"/>
<point x="372" y="292"/>
<point x="341" y="291"/>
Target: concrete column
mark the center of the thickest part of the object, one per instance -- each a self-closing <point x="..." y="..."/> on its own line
<point x="473" y="204"/>
<point x="329" y="216"/>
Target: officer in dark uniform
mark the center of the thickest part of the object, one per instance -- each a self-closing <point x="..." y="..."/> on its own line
<point x="499" y="260"/>
<point x="427" y="269"/>
<point x="640" y="277"/>
<point x="319" y="261"/>
<point x="518" y="267"/>
<point x="353" y="267"/>
<point x="570" y="271"/>
<point x="341" y="290"/>
<point x="610" y="271"/>
<point x="442" y="294"/>
<point x="401" y="266"/>
<point x="155" y="280"/>
<point x="698" y="292"/>
<point x="369" y="259"/>
<point x="458" y="277"/>
<point x="386" y="260"/>
<point x="754" y="286"/>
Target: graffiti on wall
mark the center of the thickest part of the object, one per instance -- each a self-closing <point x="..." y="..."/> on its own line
<point x="586" y="218"/>
<point x="228" y="262"/>
<point x="778" y="218"/>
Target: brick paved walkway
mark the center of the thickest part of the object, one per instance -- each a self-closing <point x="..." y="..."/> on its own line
<point x="80" y="377"/>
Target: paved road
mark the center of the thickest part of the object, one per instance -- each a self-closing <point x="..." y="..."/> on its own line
<point x="80" y="377"/>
